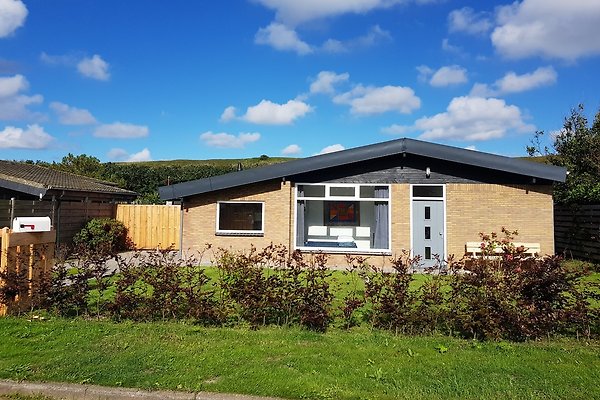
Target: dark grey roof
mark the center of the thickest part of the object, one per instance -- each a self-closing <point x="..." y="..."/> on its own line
<point x="35" y="180"/>
<point x="364" y="153"/>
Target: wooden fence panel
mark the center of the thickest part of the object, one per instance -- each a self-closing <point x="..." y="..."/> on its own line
<point x="151" y="226"/>
<point x="577" y="231"/>
<point x="28" y="257"/>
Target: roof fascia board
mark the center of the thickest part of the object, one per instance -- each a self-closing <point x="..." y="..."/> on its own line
<point x="23" y="188"/>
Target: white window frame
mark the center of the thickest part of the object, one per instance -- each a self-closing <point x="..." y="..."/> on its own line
<point x="234" y="232"/>
<point x="356" y="197"/>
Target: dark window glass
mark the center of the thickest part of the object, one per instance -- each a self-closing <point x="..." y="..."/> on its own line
<point x="428" y="191"/>
<point x="428" y="253"/>
<point x="341" y="191"/>
<point x="427" y="232"/>
<point x="240" y="217"/>
<point x="427" y="212"/>
<point x="312" y="190"/>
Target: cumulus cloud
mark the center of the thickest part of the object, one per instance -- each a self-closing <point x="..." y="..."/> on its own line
<point x="374" y="36"/>
<point x="118" y="154"/>
<point x="445" y="76"/>
<point x="120" y="130"/>
<point x="34" y="138"/>
<point x="94" y="67"/>
<point x="14" y="104"/>
<point x="68" y="115"/>
<point x="228" y="114"/>
<point x="294" y="12"/>
<point x="268" y="113"/>
<point x="280" y="37"/>
<point x="549" y="28"/>
<point x="12" y="16"/>
<point x="326" y="80"/>
<point x="377" y="100"/>
<point x="291" y="150"/>
<point x="468" y="119"/>
<point x="228" y="141"/>
<point x="10" y="86"/>
<point x="331" y="149"/>
<point x="513" y="83"/>
<point x="468" y="21"/>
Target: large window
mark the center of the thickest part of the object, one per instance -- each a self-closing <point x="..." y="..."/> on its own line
<point x="346" y="217"/>
<point x="239" y="218"/>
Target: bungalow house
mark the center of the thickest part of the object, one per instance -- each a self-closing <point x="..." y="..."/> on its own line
<point x="373" y="200"/>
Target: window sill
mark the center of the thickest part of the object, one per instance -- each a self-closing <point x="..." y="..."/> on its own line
<point x="344" y="250"/>
<point x="250" y="234"/>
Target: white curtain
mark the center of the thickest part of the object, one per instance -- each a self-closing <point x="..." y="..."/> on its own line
<point x="382" y="224"/>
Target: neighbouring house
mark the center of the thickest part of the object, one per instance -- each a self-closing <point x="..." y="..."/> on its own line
<point x="376" y="200"/>
<point x="69" y="200"/>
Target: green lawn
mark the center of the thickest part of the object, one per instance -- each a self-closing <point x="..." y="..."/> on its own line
<point x="295" y="363"/>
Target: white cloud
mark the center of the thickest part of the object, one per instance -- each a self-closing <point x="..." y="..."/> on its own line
<point x="549" y="28"/>
<point x="268" y="113"/>
<point x="280" y="37"/>
<point x="468" y="21"/>
<point x="66" y="60"/>
<point x="450" y="48"/>
<point x="331" y="149"/>
<point x="469" y="118"/>
<point x="120" y="130"/>
<point x="13" y="104"/>
<point x="445" y="76"/>
<point x="118" y="154"/>
<point x="10" y="86"/>
<point x="374" y="36"/>
<point x="471" y="147"/>
<point x="34" y="137"/>
<point x="376" y="100"/>
<point x="228" y="114"/>
<point x="291" y="150"/>
<point x="12" y="16"/>
<point x="228" y="141"/>
<point x="94" y="67"/>
<point x="294" y="12"/>
<point x="326" y="80"/>
<point x="513" y="83"/>
<point x="68" y="115"/>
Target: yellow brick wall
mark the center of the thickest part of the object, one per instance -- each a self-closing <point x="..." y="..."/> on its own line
<point x="200" y="213"/>
<point x="474" y="208"/>
<point x="470" y="209"/>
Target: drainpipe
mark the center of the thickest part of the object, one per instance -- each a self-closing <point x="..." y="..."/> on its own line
<point x="12" y="211"/>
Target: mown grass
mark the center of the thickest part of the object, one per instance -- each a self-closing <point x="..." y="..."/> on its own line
<point x="295" y="363"/>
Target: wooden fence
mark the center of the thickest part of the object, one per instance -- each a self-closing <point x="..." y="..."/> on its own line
<point x="24" y="258"/>
<point x="577" y="231"/>
<point x="67" y="217"/>
<point x="151" y="226"/>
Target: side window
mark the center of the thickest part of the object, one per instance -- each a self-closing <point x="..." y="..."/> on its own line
<point x="240" y="217"/>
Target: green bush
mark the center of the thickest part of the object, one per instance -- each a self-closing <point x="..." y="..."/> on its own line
<point x="104" y="234"/>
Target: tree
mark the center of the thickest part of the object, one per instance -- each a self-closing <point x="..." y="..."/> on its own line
<point x="577" y="148"/>
<point x="81" y="165"/>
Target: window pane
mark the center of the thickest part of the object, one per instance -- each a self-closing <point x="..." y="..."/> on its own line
<point x="240" y="216"/>
<point x="427" y="212"/>
<point x="367" y="192"/>
<point x="428" y="253"/>
<point x="341" y="191"/>
<point x="428" y="191"/>
<point x="312" y="190"/>
<point x="427" y="232"/>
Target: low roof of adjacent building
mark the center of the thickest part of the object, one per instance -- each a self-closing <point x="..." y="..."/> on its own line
<point x="37" y="180"/>
<point x="361" y="154"/>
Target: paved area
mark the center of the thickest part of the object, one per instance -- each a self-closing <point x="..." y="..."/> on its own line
<point x="70" y="391"/>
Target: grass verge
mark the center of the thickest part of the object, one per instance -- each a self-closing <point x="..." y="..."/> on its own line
<point x="295" y="363"/>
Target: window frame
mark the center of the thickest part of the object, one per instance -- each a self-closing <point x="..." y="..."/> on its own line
<point x="237" y="232"/>
<point x="356" y="198"/>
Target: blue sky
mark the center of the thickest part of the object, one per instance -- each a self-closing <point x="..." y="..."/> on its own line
<point x="156" y="80"/>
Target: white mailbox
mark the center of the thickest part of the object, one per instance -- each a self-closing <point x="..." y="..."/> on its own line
<point x="31" y="224"/>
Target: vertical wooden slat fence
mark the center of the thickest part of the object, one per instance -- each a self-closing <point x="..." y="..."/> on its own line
<point x="27" y="257"/>
<point x="151" y="226"/>
<point x="577" y="231"/>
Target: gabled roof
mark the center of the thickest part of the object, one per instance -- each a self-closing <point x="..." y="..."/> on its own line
<point x="37" y="180"/>
<point x="365" y="153"/>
